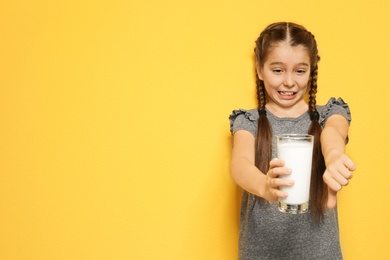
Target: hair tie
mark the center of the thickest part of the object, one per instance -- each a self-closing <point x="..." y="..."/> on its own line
<point x="314" y="115"/>
<point x="262" y="112"/>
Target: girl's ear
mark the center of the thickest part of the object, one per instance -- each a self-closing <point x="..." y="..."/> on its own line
<point x="259" y="71"/>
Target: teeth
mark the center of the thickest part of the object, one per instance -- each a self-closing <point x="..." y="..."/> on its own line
<point x="287" y="92"/>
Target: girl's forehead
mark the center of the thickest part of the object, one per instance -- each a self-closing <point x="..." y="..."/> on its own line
<point x="286" y="46"/>
<point x="284" y="51"/>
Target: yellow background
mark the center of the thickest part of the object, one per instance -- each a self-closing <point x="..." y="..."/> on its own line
<point x="114" y="132"/>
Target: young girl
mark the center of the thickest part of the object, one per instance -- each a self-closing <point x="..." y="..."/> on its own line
<point x="286" y="66"/>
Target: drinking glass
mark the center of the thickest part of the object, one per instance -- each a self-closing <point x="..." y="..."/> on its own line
<point x="296" y="150"/>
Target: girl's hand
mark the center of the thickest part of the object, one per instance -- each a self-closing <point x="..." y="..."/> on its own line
<point x="272" y="183"/>
<point x="337" y="175"/>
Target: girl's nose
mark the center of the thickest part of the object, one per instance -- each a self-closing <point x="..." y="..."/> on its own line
<point x="288" y="81"/>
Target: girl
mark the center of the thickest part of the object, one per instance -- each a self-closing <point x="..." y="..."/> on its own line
<point x="286" y="68"/>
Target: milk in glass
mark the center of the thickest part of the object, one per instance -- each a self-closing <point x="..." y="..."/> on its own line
<point x="297" y="152"/>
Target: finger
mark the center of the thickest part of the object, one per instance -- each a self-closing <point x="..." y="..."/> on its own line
<point x="346" y="173"/>
<point x="349" y="164"/>
<point x="332" y="198"/>
<point x="338" y="173"/>
<point x="274" y="194"/>
<point x="343" y="177"/>
<point x="276" y="163"/>
<point x="333" y="183"/>
<point x="277" y="182"/>
<point x="345" y="168"/>
<point x="280" y="194"/>
<point x="279" y="171"/>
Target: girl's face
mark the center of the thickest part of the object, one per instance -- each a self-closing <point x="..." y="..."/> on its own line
<point x="286" y="76"/>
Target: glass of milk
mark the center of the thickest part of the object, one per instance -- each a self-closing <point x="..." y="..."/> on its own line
<point x="296" y="150"/>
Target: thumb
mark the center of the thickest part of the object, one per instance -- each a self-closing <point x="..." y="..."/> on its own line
<point x="332" y="198"/>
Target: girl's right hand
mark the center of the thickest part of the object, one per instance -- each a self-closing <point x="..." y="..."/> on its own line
<point x="273" y="182"/>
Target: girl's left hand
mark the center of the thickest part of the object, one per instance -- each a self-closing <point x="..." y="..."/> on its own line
<point x="337" y="175"/>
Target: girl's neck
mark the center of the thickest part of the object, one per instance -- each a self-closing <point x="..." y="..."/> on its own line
<point x="292" y="112"/>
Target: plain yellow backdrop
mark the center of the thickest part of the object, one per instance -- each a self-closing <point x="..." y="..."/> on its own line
<point x="114" y="132"/>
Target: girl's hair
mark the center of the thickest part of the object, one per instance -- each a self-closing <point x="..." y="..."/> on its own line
<point x="295" y="35"/>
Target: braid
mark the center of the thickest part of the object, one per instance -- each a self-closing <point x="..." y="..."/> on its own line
<point x="260" y="94"/>
<point x="318" y="189"/>
<point x="313" y="90"/>
<point x="263" y="146"/>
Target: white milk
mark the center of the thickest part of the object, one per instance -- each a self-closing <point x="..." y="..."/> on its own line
<point x="297" y="155"/>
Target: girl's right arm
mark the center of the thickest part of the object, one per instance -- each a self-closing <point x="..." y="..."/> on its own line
<point x="249" y="177"/>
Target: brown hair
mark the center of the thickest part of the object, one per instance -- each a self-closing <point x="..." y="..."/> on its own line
<point x="295" y="35"/>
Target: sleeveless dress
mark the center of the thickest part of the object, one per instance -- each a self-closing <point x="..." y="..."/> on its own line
<point x="265" y="232"/>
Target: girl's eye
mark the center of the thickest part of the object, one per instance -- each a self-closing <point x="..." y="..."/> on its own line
<point x="277" y="70"/>
<point x="301" y="71"/>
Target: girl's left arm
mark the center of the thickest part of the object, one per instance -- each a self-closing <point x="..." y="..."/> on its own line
<point x="339" y="166"/>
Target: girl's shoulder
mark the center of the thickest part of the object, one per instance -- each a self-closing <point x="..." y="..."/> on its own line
<point x="242" y="119"/>
<point x="251" y="114"/>
<point x="334" y="107"/>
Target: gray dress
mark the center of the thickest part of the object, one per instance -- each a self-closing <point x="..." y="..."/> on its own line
<point x="266" y="233"/>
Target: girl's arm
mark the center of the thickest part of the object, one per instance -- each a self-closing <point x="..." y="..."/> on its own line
<point x="249" y="177"/>
<point x="339" y="167"/>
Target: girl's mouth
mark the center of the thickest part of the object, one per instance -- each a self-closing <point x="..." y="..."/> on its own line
<point x="286" y="93"/>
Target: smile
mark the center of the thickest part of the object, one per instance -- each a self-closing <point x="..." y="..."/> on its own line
<point x="287" y="93"/>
